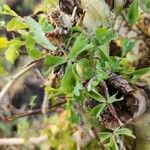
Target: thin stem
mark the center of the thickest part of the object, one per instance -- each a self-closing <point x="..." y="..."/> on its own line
<point x="15" y="77"/>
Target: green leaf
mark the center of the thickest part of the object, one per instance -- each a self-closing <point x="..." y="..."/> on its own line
<point x="94" y="94"/>
<point x="104" y="136"/>
<point x="31" y="49"/>
<point x="39" y="34"/>
<point x="133" y="12"/>
<point x="80" y="45"/>
<point x="104" y="35"/>
<point x="69" y="81"/>
<point x="46" y="26"/>
<point x="103" y="57"/>
<point x="96" y="111"/>
<point x="16" y="24"/>
<point x="74" y="118"/>
<point x="124" y="131"/>
<point x="127" y="45"/>
<point x="84" y="68"/>
<point x="3" y="42"/>
<point x="6" y="10"/>
<point x="33" y="101"/>
<point x="77" y="89"/>
<point x="12" y="53"/>
<point x="113" y="99"/>
<point x="53" y="61"/>
<point x="140" y="71"/>
<point x="113" y="143"/>
<point x="148" y="5"/>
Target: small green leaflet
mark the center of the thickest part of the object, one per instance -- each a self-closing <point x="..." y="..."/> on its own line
<point x="16" y="24"/>
<point x="39" y="34"/>
<point x="12" y="53"/>
<point x="113" y="99"/>
<point x="133" y="12"/>
<point x="96" y="111"/>
<point x="80" y="45"/>
<point x="94" y="94"/>
<point x="46" y="26"/>
<point x="53" y="61"/>
<point x="148" y="5"/>
<point x="6" y="10"/>
<point x="84" y="68"/>
<point x="31" y="49"/>
<point x="104" y="35"/>
<point x="103" y="56"/>
<point x="127" y="45"/>
<point x="69" y="80"/>
<point x="124" y="131"/>
<point x="140" y="71"/>
<point x="77" y="89"/>
<point x="104" y="136"/>
<point x="74" y="118"/>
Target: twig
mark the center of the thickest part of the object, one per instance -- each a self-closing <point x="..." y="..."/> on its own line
<point x="110" y="106"/>
<point x="16" y="77"/>
<point x="37" y="111"/>
<point x="20" y="141"/>
<point x="50" y="82"/>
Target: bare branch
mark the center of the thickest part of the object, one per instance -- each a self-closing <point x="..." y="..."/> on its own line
<point x="31" y="112"/>
<point x="15" y="77"/>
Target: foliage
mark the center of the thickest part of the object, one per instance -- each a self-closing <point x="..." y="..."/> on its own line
<point x="86" y="64"/>
<point x="133" y="12"/>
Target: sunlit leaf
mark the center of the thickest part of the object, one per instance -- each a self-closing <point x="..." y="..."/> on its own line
<point x="16" y="24"/>
<point x="12" y="53"/>
<point x="6" y="10"/>
<point x="3" y="42"/>
<point x="39" y="34"/>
